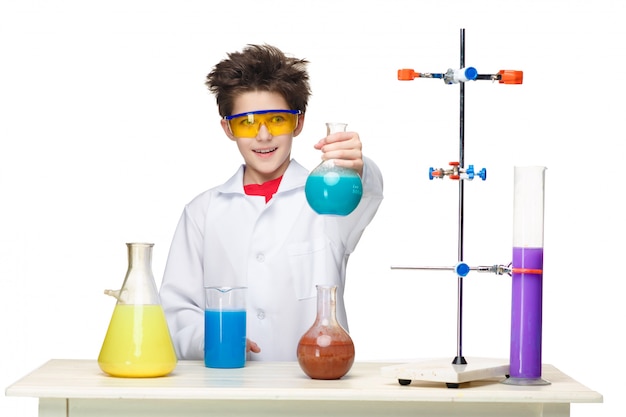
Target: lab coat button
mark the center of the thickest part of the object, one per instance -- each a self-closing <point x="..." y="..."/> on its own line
<point x="260" y="314"/>
<point x="260" y="257"/>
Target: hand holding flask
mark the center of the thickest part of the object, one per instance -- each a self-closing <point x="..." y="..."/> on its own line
<point x="331" y="189"/>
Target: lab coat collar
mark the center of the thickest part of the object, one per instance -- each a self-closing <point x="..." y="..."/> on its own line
<point x="294" y="177"/>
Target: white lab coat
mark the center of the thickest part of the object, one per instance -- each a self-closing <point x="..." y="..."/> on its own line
<point x="279" y="250"/>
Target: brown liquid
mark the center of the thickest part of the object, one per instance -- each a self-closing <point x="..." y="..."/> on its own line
<point x="325" y="362"/>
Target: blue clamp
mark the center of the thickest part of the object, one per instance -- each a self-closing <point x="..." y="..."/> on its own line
<point x="482" y="174"/>
<point x="462" y="269"/>
<point x="470" y="172"/>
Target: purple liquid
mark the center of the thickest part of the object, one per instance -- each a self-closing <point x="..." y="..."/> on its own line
<point x="526" y="314"/>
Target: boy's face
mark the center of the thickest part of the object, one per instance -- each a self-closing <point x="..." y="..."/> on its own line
<point x="266" y="156"/>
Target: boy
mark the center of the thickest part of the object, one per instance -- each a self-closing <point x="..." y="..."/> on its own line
<point x="257" y="230"/>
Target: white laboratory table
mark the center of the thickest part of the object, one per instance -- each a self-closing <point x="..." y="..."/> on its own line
<point x="78" y="388"/>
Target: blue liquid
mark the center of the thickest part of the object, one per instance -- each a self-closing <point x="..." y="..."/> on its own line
<point x="224" y="338"/>
<point x="333" y="193"/>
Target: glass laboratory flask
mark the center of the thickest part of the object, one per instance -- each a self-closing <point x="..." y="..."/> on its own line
<point x="137" y="343"/>
<point x="331" y="189"/>
<point x="326" y="350"/>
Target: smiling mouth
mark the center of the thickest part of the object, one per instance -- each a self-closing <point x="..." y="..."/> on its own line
<point x="265" y="151"/>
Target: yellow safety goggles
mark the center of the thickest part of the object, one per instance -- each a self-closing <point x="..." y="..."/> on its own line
<point x="278" y="122"/>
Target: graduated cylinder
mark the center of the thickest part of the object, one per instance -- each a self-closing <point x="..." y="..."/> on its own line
<point x="527" y="276"/>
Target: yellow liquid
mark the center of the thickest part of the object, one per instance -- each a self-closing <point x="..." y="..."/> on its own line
<point x="137" y="343"/>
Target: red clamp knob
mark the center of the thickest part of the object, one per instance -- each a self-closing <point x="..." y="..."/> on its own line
<point x="407" y="74"/>
<point x="511" y="77"/>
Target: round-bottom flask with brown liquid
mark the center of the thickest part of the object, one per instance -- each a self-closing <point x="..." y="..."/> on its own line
<point x="326" y="350"/>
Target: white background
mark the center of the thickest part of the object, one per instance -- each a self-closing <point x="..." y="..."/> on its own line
<point x="107" y="130"/>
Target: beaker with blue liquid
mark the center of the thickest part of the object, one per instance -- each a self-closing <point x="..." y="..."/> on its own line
<point x="225" y="327"/>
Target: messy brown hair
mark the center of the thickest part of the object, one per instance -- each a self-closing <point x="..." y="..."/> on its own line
<point x="259" y="68"/>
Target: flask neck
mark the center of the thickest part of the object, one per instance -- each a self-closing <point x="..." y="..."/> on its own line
<point x="139" y="255"/>
<point x="139" y="286"/>
<point x="326" y="304"/>
<point x="335" y="127"/>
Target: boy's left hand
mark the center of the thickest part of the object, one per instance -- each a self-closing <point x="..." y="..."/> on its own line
<point x="252" y="346"/>
<point x="345" y="148"/>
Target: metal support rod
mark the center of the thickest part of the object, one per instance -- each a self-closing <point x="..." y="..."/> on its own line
<point x="459" y="359"/>
<point x="495" y="269"/>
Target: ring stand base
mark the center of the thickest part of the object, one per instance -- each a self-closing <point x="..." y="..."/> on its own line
<point x="443" y="370"/>
<point x="525" y="381"/>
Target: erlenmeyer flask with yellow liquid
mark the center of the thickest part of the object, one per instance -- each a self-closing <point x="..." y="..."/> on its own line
<point x="138" y="342"/>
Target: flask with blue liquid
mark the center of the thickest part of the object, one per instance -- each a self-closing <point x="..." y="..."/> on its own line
<point x="331" y="189"/>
